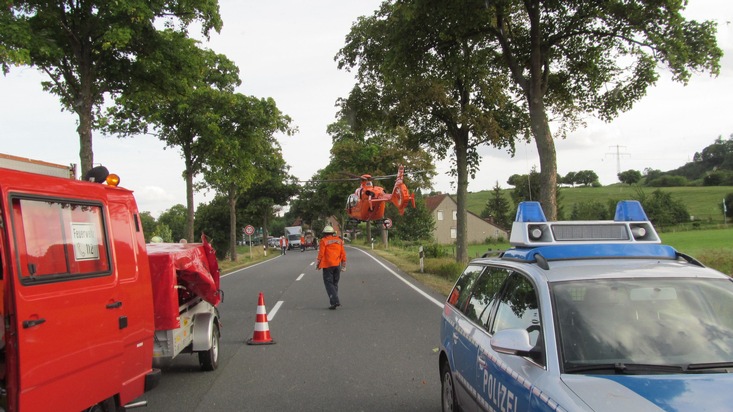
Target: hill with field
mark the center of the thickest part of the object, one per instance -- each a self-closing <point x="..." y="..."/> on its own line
<point x="703" y="202"/>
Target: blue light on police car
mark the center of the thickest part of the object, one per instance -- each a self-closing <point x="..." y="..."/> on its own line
<point x="530" y="212"/>
<point x="630" y="211"/>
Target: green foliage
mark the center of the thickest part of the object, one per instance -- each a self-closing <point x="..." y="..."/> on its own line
<point x="212" y="219"/>
<point x="89" y="49"/>
<point x="526" y="187"/>
<point x="667" y="181"/>
<point x="416" y="224"/>
<point x="630" y="177"/>
<point x="586" y="177"/>
<point x="593" y="210"/>
<point x="148" y="223"/>
<point x="663" y="210"/>
<point x="162" y="230"/>
<point x="498" y="208"/>
<point x="175" y="219"/>
<point x="423" y="69"/>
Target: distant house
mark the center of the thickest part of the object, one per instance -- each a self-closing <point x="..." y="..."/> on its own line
<point x="445" y="213"/>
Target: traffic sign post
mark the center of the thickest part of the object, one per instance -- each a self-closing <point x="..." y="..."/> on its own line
<point x="249" y="230"/>
<point x="387" y="225"/>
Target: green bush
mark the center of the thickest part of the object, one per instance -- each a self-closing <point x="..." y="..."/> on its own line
<point x="445" y="268"/>
<point x="434" y="250"/>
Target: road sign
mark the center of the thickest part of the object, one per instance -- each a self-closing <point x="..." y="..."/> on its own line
<point x="249" y="230"/>
<point x="387" y="223"/>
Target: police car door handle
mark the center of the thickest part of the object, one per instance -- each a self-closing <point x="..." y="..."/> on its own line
<point x="32" y="322"/>
<point x="114" y="305"/>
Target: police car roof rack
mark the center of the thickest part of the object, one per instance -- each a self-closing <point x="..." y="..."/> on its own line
<point x="629" y="235"/>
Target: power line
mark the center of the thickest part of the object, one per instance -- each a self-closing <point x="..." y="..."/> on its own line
<point x="618" y="155"/>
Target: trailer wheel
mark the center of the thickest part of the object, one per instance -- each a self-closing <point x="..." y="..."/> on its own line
<point x="108" y="405"/>
<point x="209" y="359"/>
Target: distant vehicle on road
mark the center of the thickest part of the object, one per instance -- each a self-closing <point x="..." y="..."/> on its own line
<point x="293" y="233"/>
<point x="587" y="316"/>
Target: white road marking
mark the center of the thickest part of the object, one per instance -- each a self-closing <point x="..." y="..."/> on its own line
<point x="300" y="277"/>
<point x="430" y="298"/>
<point x="273" y="312"/>
<point x="248" y="267"/>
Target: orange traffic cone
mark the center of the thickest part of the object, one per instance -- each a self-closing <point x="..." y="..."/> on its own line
<point x="262" y="329"/>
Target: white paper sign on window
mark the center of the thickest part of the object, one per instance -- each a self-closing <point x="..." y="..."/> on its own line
<point x="86" y="243"/>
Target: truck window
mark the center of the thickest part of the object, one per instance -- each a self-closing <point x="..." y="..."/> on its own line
<point x="59" y="239"/>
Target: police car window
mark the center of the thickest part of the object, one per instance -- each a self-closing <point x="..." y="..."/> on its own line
<point x="484" y="294"/>
<point x="517" y="308"/>
<point x="462" y="290"/>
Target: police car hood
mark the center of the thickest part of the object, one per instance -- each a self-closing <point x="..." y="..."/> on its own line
<point x="684" y="392"/>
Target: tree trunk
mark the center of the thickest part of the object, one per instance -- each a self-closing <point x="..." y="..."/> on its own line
<point x="539" y="124"/>
<point x="189" y="200"/>
<point x="84" y="107"/>
<point x="548" y="158"/>
<point x="461" y="147"/>
<point x="232" y="200"/>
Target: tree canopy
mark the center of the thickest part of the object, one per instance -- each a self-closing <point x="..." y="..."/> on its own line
<point x="567" y="58"/>
<point x="88" y="48"/>
<point x="422" y="66"/>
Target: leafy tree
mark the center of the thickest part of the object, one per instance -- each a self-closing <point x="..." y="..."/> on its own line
<point x="148" y="223"/>
<point x="164" y="232"/>
<point x="569" y="179"/>
<point x="88" y="47"/>
<point x="629" y="177"/>
<point x="651" y="174"/>
<point x="663" y="210"/>
<point x="586" y="177"/>
<point x="175" y="219"/>
<point x="718" y="178"/>
<point x="497" y="208"/>
<point x="526" y="187"/>
<point x="272" y="186"/>
<point x="424" y="68"/>
<point x="573" y="57"/>
<point x="591" y="210"/>
<point x="416" y="224"/>
<point x="245" y="144"/>
<point x="187" y="104"/>
<point x="212" y="219"/>
<point x="352" y="155"/>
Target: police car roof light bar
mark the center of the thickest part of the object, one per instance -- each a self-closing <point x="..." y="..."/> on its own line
<point x="530" y="212"/>
<point x="630" y="211"/>
<point x="630" y="226"/>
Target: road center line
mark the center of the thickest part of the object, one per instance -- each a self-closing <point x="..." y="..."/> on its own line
<point x="430" y="298"/>
<point x="300" y="277"/>
<point x="273" y="312"/>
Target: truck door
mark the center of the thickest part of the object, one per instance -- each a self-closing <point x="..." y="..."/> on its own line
<point x="65" y="322"/>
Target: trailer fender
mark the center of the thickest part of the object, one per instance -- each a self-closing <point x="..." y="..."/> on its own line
<point x="203" y="325"/>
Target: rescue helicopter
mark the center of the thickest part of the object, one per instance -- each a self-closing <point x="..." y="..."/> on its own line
<point x="368" y="202"/>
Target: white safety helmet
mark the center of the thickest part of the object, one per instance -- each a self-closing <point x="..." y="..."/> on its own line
<point x="328" y="229"/>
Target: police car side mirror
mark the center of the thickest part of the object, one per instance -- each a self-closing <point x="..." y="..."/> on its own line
<point x="512" y="342"/>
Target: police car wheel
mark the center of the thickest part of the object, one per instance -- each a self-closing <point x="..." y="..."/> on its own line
<point x="447" y="392"/>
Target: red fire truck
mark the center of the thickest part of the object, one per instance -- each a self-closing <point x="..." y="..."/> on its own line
<point x="80" y="306"/>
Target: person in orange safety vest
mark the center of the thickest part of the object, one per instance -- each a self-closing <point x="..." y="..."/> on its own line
<point x="332" y="259"/>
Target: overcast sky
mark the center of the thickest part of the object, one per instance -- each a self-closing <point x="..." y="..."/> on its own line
<point x="285" y="50"/>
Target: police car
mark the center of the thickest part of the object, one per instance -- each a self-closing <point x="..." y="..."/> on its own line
<point x="587" y="316"/>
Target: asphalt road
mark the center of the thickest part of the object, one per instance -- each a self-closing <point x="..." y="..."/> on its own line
<point x="377" y="352"/>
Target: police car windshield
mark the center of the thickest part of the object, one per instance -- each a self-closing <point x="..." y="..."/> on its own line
<point x="652" y="321"/>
